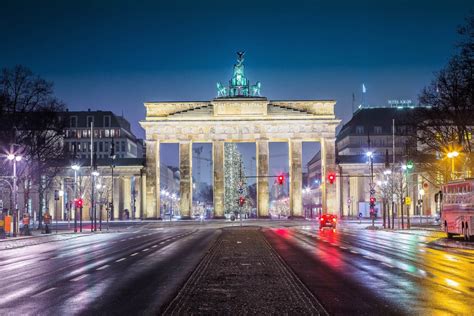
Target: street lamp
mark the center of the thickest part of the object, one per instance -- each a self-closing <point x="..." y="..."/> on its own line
<point x="76" y="168"/>
<point x="451" y="155"/>
<point x="15" y="159"/>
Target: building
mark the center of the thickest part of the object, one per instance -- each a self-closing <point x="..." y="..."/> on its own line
<point x="239" y="114"/>
<point x="108" y="127"/>
<point x="367" y="142"/>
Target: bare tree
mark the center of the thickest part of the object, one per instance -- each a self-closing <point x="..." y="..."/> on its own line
<point x="446" y="123"/>
<point x="31" y="123"/>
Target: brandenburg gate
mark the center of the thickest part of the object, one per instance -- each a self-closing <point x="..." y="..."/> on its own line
<point x="239" y="114"/>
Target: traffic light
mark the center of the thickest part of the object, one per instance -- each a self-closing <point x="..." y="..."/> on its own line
<point x="281" y="179"/>
<point x="79" y="202"/>
<point x="241" y="201"/>
<point x="331" y="178"/>
<point x="372" y="201"/>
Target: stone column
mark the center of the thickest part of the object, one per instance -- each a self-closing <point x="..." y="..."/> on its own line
<point x="262" y="180"/>
<point x="152" y="209"/>
<point x="218" y="166"/>
<point x="328" y="164"/>
<point x="296" y="178"/>
<point x="186" y="182"/>
<point x="127" y="195"/>
<point x="142" y="193"/>
<point x="116" y="196"/>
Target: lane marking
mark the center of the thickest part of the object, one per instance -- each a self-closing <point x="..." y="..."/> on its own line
<point x="44" y="292"/>
<point x="367" y="257"/>
<point x="121" y="259"/>
<point x="122" y="240"/>
<point x="103" y="267"/>
<point x="154" y="246"/>
<point x="80" y="277"/>
<point x="342" y="247"/>
<point x="134" y="254"/>
<point x="353" y="251"/>
<point x="146" y="249"/>
<point x="161" y="243"/>
<point x="388" y="265"/>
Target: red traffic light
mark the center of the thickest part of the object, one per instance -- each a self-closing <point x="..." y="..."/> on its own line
<point x="79" y="202"/>
<point x="281" y="179"/>
<point x="241" y="201"/>
<point x="331" y="178"/>
<point x="372" y="200"/>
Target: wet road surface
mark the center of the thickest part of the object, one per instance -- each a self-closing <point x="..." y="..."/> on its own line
<point x="377" y="272"/>
<point x="123" y="273"/>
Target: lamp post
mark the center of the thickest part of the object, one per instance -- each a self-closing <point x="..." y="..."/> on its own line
<point x="76" y="168"/>
<point x="112" y="156"/>
<point x="94" y="175"/>
<point x="14" y="159"/>
<point x="451" y="155"/>
<point x="370" y="155"/>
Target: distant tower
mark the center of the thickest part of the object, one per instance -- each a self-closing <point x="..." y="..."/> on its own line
<point x="364" y="91"/>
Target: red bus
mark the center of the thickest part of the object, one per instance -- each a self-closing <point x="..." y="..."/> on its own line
<point x="457" y="208"/>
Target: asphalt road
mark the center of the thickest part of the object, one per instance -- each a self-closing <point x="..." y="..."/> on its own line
<point x="361" y="272"/>
<point x="131" y="272"/>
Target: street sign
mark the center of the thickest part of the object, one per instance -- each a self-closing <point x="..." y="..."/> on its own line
<point x="372" y="191"/>
<point x="407" y="200"/>
<point x="241" y="190"/>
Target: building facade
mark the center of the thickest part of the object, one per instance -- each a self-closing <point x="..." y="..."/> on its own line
<point x="108" y="127"/>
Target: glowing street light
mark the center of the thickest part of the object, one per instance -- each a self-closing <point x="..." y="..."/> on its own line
<point x="15" y="159"/>
<point x="451" y="155"/>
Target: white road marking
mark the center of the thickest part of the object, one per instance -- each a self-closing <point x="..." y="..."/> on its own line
<point x="353" y="251"/>
<point x="367" y="257"/>
<point x="45" y="291"/>
<point x="134" y="254"/>
<point x="123" y="240"/>
<point x="154" y="246"/>
<point x="80" y="277"/>
<point x="103" y="267"/>
<point x="121" y="259"/>
<point x="146" y="249"/>
<point x="161" y="243"/>
<point x="388" y="265"/>
<point x="343" y="247"/>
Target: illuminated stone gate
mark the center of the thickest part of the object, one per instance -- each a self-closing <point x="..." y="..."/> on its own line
<point x="239" y="114"/>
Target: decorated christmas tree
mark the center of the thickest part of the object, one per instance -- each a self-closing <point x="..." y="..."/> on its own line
<point x="234" y="176"/>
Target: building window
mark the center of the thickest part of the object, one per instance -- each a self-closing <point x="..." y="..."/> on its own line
<point x="73" y="121"/>
<point x="107" y="121"/>
<point x="359" y="130"/>
<point x="112" y="133"/>
<point x="106" y="146"/>
<point x="101" y="147"/>
<point x="378" y="129"/>
<point x="90" y="119"/>
<point x="123" y="147"/>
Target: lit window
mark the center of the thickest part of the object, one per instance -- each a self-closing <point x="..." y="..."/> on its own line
<point x="107" y="133"/>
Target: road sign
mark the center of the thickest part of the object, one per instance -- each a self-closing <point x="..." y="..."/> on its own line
<point x="372" y="191"/>
<point x="241" y="190"/>
<point x="407" y="200"/>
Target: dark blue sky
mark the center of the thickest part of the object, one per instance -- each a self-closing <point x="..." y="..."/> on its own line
<point x="118" y="54"/>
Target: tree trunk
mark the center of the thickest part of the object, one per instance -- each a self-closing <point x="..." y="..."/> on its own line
<point x="40" y="201"/>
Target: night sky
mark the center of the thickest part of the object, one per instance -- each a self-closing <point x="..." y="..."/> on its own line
<point x="118" y="54"/>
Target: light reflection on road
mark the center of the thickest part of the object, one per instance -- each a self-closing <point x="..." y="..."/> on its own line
<point x="401" y="267"/>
